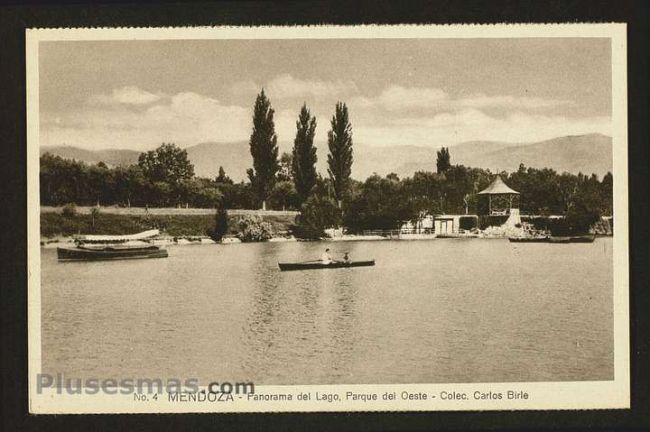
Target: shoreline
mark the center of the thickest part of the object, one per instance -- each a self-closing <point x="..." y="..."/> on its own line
<point x="50" y="243"/>
<point x="59" y="241"/>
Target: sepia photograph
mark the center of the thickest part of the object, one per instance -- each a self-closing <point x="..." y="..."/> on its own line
<point x="327" y="218"/>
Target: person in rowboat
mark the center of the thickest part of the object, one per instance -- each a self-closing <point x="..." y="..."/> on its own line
<point x="346" y="258"/>
<point x="326" y="258"/>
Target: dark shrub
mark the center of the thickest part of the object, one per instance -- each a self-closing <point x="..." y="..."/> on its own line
<point x="220" y="228"/>
<point x="581" y="222"/>
<point x="69" y="210"/>
<point x="318" y="213"/>
<point x="573" y="223"/>
<point x="487" y="220"/>
<point x="305" y="232"/>
<point x="467" y="222"/>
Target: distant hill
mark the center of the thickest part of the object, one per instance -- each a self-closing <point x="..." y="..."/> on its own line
<point x="234" y="157"/>
<point x="116" y="157"/>
<point x="590" y="153"/>
<point x="405" y="160"/>
<point x="582" y="153"/>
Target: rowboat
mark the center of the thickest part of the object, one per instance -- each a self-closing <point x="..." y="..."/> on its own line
<point x="589" y="238"/>
<point x="94" y="253"/>
<point x="554" y="239"/>
<point x="529" y="239"/>
<point x="318" y="265"/>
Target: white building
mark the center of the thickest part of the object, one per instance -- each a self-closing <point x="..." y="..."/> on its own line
<point x="453" y="224"/>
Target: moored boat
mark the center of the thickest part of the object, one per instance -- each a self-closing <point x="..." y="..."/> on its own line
<point x="318" y="265"/>
<point x="529" y="239"/>
<point x="589" y="238"/>
<point x="456" y="235"/>
<point x="556" y="239"/>
<point x="112" y="247"/>
<point x="85" y="253"/>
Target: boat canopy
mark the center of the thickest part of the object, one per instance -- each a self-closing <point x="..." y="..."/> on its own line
<point x="118" y="238"/>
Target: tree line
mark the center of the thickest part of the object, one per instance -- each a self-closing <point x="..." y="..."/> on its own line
<point x="165" y="177"/>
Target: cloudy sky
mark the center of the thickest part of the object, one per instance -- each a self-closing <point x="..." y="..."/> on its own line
<point x="428" y="92"/>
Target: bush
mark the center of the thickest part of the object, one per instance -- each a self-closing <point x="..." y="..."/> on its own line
<point x="69" y="210"/>
<point x="317" y="213"/>
<point x="306" y="232"/>
<point x="253" y="229"/>
<point x="467" y="222"/>
<point x="489" y="220"/>
<point x="220" y="225"/>
<point x="575" y="223"/>
<point x="571" y="224"/>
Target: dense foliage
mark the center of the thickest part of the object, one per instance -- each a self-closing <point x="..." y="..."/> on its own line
<point x="388" y="202"/>
<point x="381" y="203"/>
<point x="65" y="181"/>
<point x="167" y="163"/>
<point x="316" y="214"/>
<point x="378" y="203"/>
<point x="253" y="229"/>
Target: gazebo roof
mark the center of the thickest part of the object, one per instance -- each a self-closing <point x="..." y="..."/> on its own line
<point x="498" y="187"/>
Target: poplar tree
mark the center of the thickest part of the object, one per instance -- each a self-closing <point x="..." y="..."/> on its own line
<point x="339" y="159"/>
<point x="264" y="149"/>
<point x="443" y="161"/>
<point x="303" y="166"/>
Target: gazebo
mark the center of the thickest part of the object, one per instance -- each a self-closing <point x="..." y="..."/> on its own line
<point x="500" y="198"/>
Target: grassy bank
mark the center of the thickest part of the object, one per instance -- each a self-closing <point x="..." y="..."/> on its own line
<point x="167" y="211"/>
<point x="54" y="224"/>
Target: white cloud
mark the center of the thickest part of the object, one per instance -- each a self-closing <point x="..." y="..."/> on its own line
<point x="133" y="118"/>
<point x="471" y="124"/>
<point x="286" y="86"/>
<point x="129" y="95"/>
<point x="185" y="119"/>
<point x="483" y="101"/>
<point x="397" y="98"/>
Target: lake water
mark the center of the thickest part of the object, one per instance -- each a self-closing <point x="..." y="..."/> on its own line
<point x="444" y="310"/>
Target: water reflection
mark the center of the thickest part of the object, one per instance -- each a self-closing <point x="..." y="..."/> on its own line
<point x="430" y="311"/>
<point x="307" y="317"/>
<point x="343" y="324"/>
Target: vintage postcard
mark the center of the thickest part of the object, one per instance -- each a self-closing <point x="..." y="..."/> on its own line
<point x="328" y="218"/>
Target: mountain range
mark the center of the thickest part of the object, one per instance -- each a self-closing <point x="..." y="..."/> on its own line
<point x="591" y="153"/>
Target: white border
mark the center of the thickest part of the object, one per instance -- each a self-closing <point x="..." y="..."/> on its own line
<point x="545" y="395"/>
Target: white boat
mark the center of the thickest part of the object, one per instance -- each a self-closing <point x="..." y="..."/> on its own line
<point x="94" y="238"/>
<point x="93" y="247"/>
